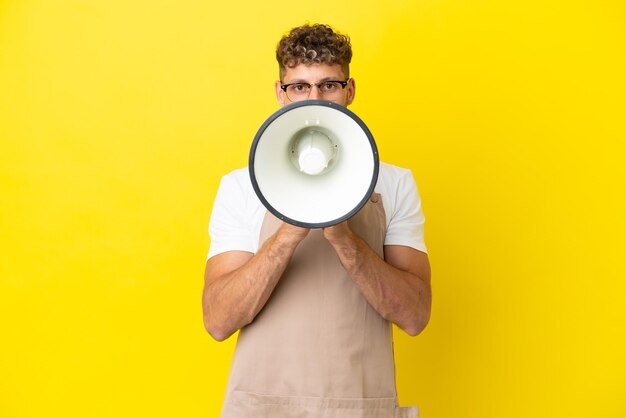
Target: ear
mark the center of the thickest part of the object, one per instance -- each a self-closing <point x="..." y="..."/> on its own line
<point x="351" y="87"/>
<point x="279" y="93"/>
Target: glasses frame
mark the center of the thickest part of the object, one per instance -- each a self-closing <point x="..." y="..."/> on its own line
<point x="285" y="86"/>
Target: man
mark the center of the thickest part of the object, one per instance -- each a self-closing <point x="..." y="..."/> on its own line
<point x="315" y="307"/>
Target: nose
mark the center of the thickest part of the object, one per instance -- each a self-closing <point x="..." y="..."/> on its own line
<point x="315" y="93"/>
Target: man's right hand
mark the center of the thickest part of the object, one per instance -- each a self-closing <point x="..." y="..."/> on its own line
<point x="291" y="233"/>
<point x="237" y="284"/>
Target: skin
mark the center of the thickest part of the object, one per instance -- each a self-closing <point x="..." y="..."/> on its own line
<point x="237" y="284"/>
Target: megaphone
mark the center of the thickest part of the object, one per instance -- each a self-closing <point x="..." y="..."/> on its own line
<point x="313" y="164"/>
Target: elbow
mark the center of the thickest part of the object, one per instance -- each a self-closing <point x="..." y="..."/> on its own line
<point x="416" y="325"/>
<point x="411" y="320"/>
<point x="218" y="329"/>
<point x="221" y="325"/>
<point x="415" y="328"/>
<point x="218" y="335"/>
<point x="217" y="332"/>
<point x="419" y="318"/>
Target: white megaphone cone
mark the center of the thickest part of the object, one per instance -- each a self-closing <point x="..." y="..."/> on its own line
<point x="313" y="164"/>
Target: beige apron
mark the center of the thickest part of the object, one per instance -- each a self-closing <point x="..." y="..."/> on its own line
<point x="317" y="349"/>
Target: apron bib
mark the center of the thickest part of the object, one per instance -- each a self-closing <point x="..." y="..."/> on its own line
<point x="317" y="349"/>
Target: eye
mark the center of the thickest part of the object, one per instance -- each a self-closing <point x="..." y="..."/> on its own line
<point x="299" y="88"/>
<point x="329" y="86"/>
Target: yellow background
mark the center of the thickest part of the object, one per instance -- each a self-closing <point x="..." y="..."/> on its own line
<point x="118" y="117"/>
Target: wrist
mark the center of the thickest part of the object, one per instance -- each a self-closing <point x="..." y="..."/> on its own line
<point x="289" y="236"/>
<point x="341" y="237"/>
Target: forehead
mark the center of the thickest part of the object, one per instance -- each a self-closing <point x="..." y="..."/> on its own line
<point x="313" y="73"/>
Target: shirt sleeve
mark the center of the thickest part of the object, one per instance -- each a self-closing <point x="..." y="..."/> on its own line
<point x="229" y="227"/>
<point x="406" y="224"/>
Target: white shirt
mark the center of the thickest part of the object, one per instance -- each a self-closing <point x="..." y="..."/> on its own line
<point x="238" y="213"/>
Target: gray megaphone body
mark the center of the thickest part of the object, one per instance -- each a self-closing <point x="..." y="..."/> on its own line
<point x="313" y="164"/>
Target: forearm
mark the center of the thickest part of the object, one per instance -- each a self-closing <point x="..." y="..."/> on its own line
<point x="233" y="299"/>
<point x="399" y="296"/>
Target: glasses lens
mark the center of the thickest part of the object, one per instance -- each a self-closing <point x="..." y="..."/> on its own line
<point x="330" y="88"/>
<point x="299" y="91"/>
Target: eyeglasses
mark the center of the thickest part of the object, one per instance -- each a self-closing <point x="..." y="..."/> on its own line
<point x="329" y="90"/>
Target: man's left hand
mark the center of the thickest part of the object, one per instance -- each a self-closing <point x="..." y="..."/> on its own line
<point x="337" y="233"/>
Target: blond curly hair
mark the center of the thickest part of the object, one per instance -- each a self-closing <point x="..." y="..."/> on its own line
<point x="313" y="44"/>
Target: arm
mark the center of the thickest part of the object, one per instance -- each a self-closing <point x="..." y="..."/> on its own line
<point x="398" y="288"/>
<point x="237" y="284"/>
